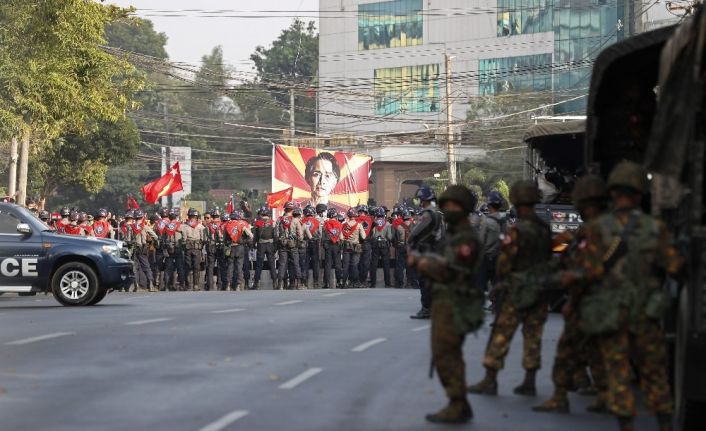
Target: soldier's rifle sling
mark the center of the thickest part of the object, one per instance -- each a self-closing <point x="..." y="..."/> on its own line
<point x="619" y="247"/>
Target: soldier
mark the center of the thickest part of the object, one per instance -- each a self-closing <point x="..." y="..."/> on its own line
<point x="626" y="254"/>
<point x="382" y="235"/>
<point x="237" y="242"/>
<point x="289" y="232"/>
<point x="524" y="256"/>
<point x="332" y="249"/>
<point x="426" y="234"/>
<point x="142" y="237"/>
<point x="45" y="216"/>
<point x="403" y="226"/>
<point x="366" y="221"/>
<point x="214" y="248"/>
<point x="222" y="260"/>
<point x="159" y="228"/>
<point x="101" y="227"/>
<point x="321" y="216"/>
<point x="84" y="224"/>
<point x="457" y="307"/>
<point x="61" y="224"/>
<point x="490" y="229"/>
<point x="171" y="242"/>
<point x="301" y="245"/>
<point x="194" y="234"/>
<point x="591" y="200"/>
<point x="353" y="237"/>
<point x="311" y="254"/>
<point x="264" y="237"/>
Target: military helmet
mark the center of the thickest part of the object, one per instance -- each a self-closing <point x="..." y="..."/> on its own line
<point x="102" y="213"/>
<point x="308" y="212"/>
<point x="425" y="193"/>
<point x="174" y="213"/>
<point x="363" y="209"/>
<point x="320" y="208"/>
<point x="65" y="212"/>
<point x="236" y="215"/>
<point x="331" y="213"/>
<point x="589" y="187"/>
<point x="352" y="213"/>
<point x="380" y="212"/>
<point x="130" y="214"/>
<point x="225" y="217"/>
<point x="341" y="218"/>
<point x="73" y="216"/>
<point x="266" y="212"/>
<point x="44" y="215"/>
<point x="82" y="217"/>
<point x="524" y="192"/>
<point x="193" y="212"/>
<point x="289" y="206"/>
<point x="495" y="198"/>
<point x="139" y="213"/>
<point x="461" y="195"/>
<point x="216" y="213"/>
<point x="154" y="218"/>
<point x="405" y="214"/>
<point x="629" y="175"/>
<point x="297" y="212"/>
<point x="164" y="212"/>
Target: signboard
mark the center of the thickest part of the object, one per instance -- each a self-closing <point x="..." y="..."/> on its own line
<point x="336" y="178"/>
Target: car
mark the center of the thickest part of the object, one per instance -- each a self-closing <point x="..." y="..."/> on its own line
<point x="79" y="271"/>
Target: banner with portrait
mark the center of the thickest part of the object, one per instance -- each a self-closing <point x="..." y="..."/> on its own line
<point x="335" y="178"/>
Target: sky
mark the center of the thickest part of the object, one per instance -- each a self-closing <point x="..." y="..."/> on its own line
<point x="192" y="36"/>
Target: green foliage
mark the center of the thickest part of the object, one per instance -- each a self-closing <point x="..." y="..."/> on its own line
<point x="503" y="188"/>
<point x="137" y="35"/>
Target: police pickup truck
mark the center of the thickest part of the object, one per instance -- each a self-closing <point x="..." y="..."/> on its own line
<point x="79" y="271"/>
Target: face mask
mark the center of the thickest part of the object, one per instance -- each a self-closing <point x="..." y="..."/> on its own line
<point x="454" y="217"/>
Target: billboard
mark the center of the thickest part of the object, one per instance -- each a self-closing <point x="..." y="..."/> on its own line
<point x="335" y="178"/>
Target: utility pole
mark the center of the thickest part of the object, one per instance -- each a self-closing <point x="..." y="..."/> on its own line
<point x="24" y="167"/>
<point x="12" y="181"/>
<point x="449" y="121"/>
<point x="292" y="125"/>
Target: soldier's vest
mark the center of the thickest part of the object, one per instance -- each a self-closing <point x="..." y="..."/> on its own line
<point x="213" y="233"/>
<point x="72" y="229"/>
<point x="235" y="230"/>
<point x="312" y="224"/>
<point x="161" y="226"/>
<point x="402" y="241"/>
<point x="529" y="268"/>
<point x="630" y="283"/>
<point x="367" y="223"/>
<point x="266" y="230"/>
<point x="378" y="233"/>
<point x="101" y="228"/>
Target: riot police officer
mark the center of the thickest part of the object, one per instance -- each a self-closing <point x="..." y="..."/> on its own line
<point x="366" y="254"/>
<point x="264" y="237"/>
<point x="171" y="240"/>
<point x="311" y="250"/>
<point x="352" y="238"/>
<point x="289" y="233"/>
<point x="238" y="240"/>
<point x="214" y="248"/>
<point x="194" y="235"/>
<point x="381" y="238"/>
<point x="331" y="239"/>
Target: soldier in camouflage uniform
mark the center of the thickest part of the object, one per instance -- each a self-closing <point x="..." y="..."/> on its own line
<point x="525" y="253"/>
<point x="457" y="304"/>
<point x="625" y="255"/>
<point x="574" y="347"/>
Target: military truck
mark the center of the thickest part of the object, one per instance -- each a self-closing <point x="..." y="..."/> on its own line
<point x="646" y="104"/>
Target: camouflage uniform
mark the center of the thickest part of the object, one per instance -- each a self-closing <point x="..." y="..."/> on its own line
<point x="457" y="305"/>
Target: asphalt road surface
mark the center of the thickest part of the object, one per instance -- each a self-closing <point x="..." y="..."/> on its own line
<point x="288" y="360"/>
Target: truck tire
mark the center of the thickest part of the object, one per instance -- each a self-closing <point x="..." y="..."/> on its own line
<point x="690" y="415"/>
<point x="101" y="294"/>
<point x="75" y="284"/>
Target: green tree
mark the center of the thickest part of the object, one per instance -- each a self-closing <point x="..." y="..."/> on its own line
<point x="137" y="35"/>
<point x="55" y="76"/>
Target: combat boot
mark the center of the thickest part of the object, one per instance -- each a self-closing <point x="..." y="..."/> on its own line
<point x="423" y="313"/>
<point x="528" y="387"/>
<point x="555" y="404"/>
<point x="487" y="386"/>
<point x="152" y="288"/>
<point x="457" y="412"/>
<point x="255" y="286"/>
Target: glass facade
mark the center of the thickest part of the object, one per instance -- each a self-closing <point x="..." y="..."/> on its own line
<point x="514" y="74"/>
<point x="524" y="16"/>
<point x="400" y="90"/>
<point x="390" y="24"/>
<point x="582" y="28"/>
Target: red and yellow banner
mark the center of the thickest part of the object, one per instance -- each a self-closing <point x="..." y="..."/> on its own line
<point x="335" y="178"/>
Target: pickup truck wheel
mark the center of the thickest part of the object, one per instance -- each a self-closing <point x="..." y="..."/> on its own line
<point x="101" y="294"/>
<point x="75" y="284"/>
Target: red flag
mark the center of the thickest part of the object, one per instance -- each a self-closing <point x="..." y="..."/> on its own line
<point x="278" y="199"/>
<point x="131" y="203"/>
<point x="164" y="186"/>
<point x="230" y="207"/>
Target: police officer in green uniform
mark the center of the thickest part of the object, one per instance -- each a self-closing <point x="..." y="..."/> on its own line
<point x="457" y="304"/>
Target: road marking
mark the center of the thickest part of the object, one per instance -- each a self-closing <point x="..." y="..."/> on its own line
<point x="421" y="328"/>
<point x="296" y="301"/>
<point x="365" y="346"/>
<point x="301" y="378"/>
<point x="148" y="321"/>
<point x="232" y="310"/>
<point x="330" y="295"/>
<point x="39" y="338"/>
<point x="226" y="420"/>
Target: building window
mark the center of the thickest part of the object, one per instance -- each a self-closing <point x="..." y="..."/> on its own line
<point x="528" y="73"/>
<point x="524" y="16"/>
<point x="390" y="24"/>
<point x="400" y="90"/>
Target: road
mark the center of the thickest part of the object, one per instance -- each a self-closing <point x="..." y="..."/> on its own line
<point x="265" y="360"/>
